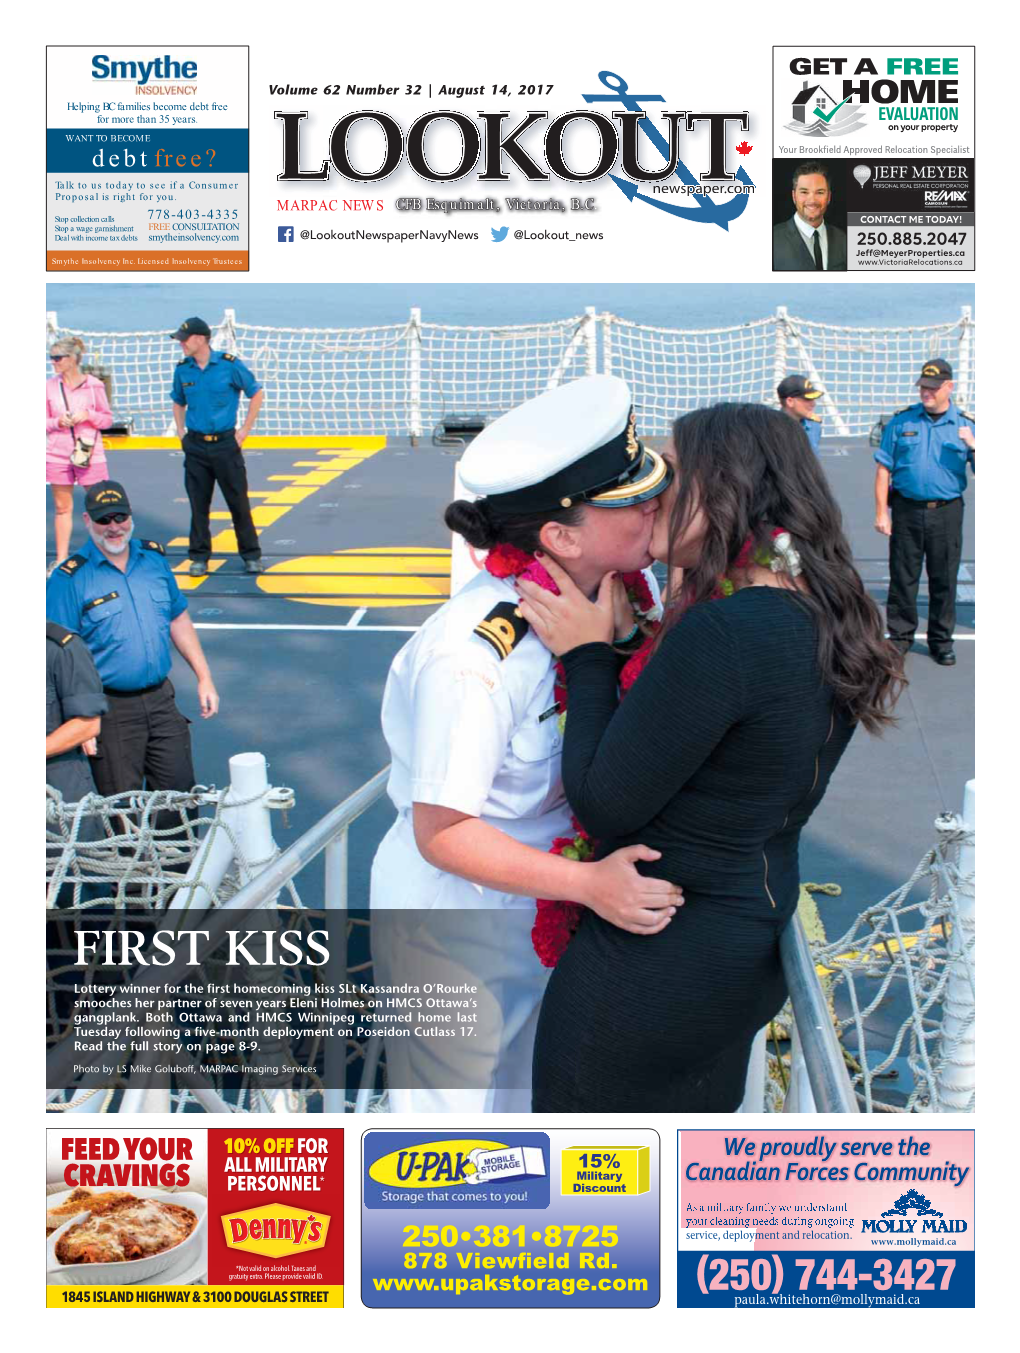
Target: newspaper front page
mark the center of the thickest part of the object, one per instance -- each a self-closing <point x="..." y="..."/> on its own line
<point x="511" y="672"/>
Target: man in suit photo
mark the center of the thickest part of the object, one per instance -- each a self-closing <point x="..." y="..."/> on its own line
<point x="804" y="243"/>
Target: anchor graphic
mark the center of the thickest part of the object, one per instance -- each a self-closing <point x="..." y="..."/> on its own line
<point x="705" y="210"/>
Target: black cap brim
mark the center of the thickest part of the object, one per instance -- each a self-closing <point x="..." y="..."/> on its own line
<point x="654" y="476"/>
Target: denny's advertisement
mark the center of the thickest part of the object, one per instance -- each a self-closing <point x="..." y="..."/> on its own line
<point x="203" y="1218"/>
<point x="495" y="1219"/>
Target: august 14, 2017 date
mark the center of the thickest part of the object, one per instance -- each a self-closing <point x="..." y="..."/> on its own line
<point x="412" y="91"/>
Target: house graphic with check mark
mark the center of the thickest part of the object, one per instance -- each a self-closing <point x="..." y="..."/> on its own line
<point x="817" y="114"/>
<point x="810" y="99"/>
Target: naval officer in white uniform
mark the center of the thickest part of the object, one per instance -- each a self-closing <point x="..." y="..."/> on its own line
<point x="470" y="716"/>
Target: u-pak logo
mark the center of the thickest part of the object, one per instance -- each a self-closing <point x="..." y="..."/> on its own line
<point x="440" y="1165"/>
<point x="902" y="1223"/>
<point x="276" y="1230"/>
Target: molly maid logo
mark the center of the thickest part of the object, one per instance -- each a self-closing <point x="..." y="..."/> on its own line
<point x="912" y="1200"/>
<point x="932" y="1222"/>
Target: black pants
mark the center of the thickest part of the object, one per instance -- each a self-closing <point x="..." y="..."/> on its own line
<point x="144" y="743"/>
<point x="207" y="464"/>
<point x="932" y="536"/>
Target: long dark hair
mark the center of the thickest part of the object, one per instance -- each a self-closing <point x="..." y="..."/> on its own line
<point x="483" y="528"/>
<point x="750" y="470"/>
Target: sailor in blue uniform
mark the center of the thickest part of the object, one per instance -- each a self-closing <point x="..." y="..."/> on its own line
<point x="797" y="397"/>
<point x="121" y="596"/>
<point x="921" y="477"/>
<point x="206" y="393"/>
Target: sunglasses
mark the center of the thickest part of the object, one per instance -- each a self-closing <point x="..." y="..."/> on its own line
<point x="60" y="358"/>
<point x="116" y="517"/>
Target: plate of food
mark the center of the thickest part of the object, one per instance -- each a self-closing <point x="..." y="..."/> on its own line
<point x="121" y="1236"/>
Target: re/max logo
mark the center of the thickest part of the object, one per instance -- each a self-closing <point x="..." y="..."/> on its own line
<point x="160" y="68"/>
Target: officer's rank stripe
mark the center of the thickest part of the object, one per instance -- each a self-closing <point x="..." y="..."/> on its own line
<point x="98" y="601"/>
<point x="503" y="628"/>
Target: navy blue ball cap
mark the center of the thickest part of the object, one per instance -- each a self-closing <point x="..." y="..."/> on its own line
<point x="797" y="387"/>
<point x="935" y="372"/>
<point x="190" y="327"/>
<point x="105" y="498"/>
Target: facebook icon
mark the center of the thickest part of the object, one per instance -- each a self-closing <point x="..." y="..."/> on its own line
<point x="285" y="234"/>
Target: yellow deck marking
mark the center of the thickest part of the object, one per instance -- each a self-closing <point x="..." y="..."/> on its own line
<point x="261" y="516"/>
<point x="374" y="576"/>
<point x="277" y="502"/>
<point x="288" y="497"/>
<point x="909" y="941"/>
<point x="187" y="584"/>
<point x="316" y="478"/>
<point x="224" y="542"/>
<point x="334" y="462"/>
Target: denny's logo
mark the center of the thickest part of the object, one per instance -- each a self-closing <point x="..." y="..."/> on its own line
<point x="275" y="1231"/>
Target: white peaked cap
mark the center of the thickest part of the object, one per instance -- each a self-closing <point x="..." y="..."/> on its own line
<point x="574" y="444"/>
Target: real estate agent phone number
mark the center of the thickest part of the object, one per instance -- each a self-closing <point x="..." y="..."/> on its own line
<point x="906" y="237"/>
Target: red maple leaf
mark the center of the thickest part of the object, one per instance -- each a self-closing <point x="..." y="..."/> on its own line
<point x="744" y="148"/>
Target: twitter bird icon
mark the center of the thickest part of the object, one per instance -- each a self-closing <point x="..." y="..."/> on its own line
<point x="500" y="234"/>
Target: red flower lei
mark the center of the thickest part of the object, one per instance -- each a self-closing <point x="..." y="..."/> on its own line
<point x="556" y="921"/>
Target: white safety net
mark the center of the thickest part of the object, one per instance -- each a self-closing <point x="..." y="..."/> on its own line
<point x="329" y="380"/>
<point x="900" y="985"/>
<point x="671" y="371"/>
<point x="404" y="379"/>
<point x="488" y="371"/>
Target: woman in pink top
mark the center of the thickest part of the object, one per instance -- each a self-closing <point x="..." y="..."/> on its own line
<point x="76" y="407"/>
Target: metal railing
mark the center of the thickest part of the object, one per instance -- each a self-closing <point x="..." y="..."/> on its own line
<point x="931" y="958"/>
<point x="819" y="1080"/>
<point x="328" y="836"/>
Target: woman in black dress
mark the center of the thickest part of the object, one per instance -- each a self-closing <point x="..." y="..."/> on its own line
<point x="769" y="656"/>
